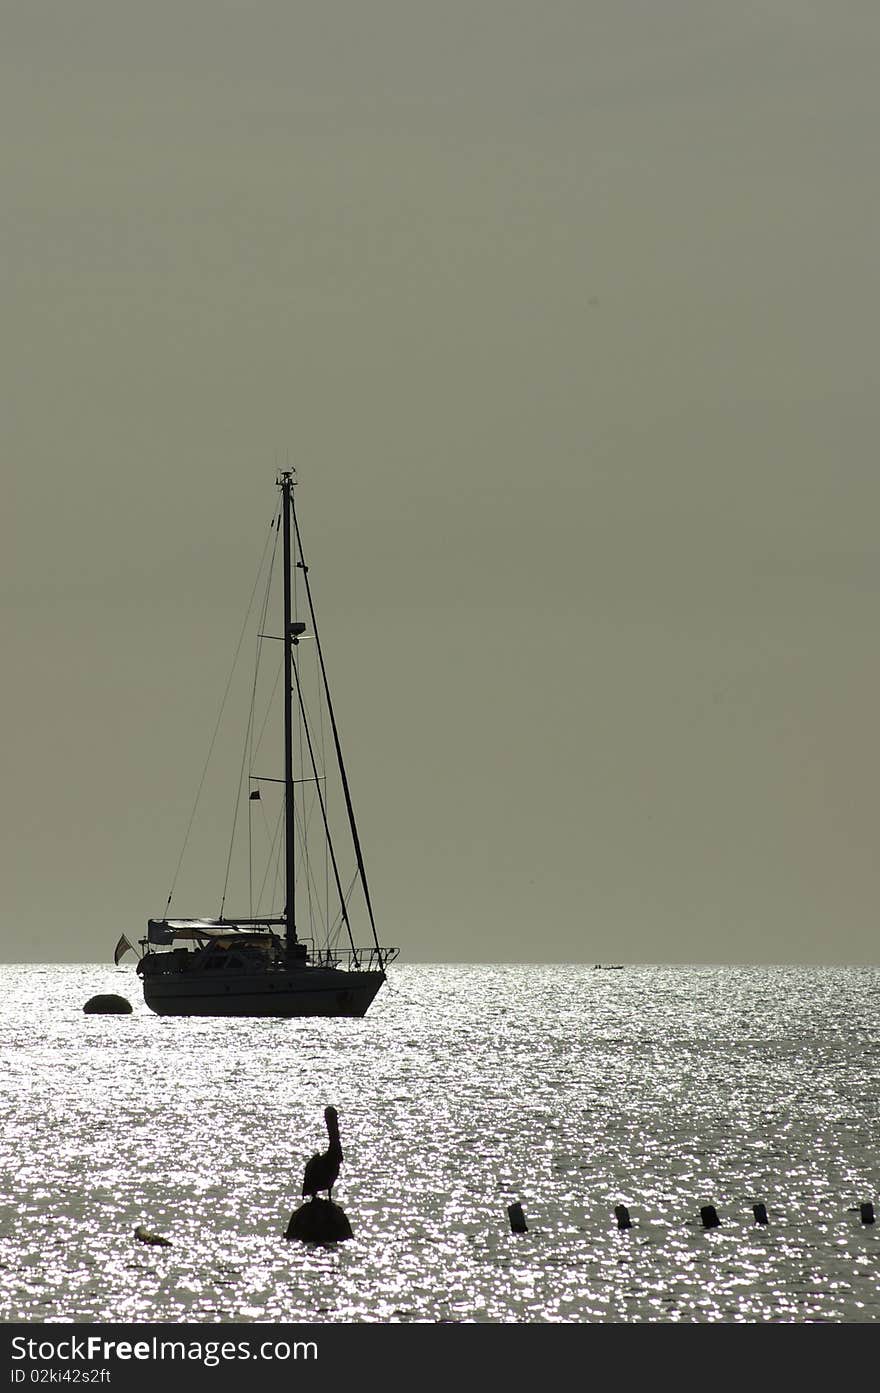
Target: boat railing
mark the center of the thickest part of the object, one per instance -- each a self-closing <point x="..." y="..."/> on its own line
<point x="207" y="952"/>
<point x="354" y="959"/>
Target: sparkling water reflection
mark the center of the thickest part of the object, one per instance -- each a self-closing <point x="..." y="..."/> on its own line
<point x="465" y="1088"/>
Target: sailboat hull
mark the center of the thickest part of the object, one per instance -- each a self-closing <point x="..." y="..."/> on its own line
<point x="311" y="991"/>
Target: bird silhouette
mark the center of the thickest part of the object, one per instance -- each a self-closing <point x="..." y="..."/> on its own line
<point x="323" y="1168"/>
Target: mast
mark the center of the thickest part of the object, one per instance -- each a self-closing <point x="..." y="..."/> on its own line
<point x="289" y="640"/>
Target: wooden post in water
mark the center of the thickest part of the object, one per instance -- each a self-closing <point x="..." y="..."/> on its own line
<point x="760" y="1213"/>
<point x="709" y="1216"/>
<point x="517" y="1219"/>
<point x="621" y="1214"/>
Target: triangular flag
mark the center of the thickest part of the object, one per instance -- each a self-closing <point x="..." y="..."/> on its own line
<point x="256" y="795"/>
<point x="122" y="947"/>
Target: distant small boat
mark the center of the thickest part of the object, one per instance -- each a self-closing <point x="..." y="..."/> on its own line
<point x="263" y="965"/>
<point x="607" y="967"/>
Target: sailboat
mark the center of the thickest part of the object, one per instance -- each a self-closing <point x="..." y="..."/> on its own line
<point x="265" y="965"/>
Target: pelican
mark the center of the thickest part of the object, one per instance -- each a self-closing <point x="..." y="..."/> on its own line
<point x="323" y="1168"/>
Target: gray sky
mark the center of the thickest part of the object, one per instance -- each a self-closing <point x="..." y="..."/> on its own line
<point x="567" y="314"/>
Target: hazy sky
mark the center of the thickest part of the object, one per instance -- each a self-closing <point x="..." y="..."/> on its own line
<point x="568" y="316"/>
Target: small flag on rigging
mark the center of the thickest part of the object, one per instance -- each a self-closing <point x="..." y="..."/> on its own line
<point x="255" y="796"/>
<point x="122" y="947"/>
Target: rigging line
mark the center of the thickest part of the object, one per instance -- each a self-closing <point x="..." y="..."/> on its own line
<point x="236" y="807"/>
<point x="311" y="881"/>
<point x="306" y="865"/>
<point x="295" y="667"/>
<point x="351" y="884"/>
<point x="345" y="788"/>
<point x="326" y="790"/>
<point x="305" y="821"/>
<point x="259" y="653"/>
<point x="308" y="723"/>
<point x="278" y="905"/>
<point x="337" y="922"/>
<point x="314" y="909"/>
<point x="278" y="672"/>
<point x="260" y="628"/>
<point x="262" y="624"/>
<point x="271" y="859"/>
<point x="248" y="737"/>
<point x="315" y="915"/>
<point x="269" y="862"/>
<point x="301" y="825"/>
<point x="273" y="525"/>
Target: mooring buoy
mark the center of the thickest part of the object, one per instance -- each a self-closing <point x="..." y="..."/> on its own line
<point x="107" y="1005"/>
<point x="709" y="1216"/>
<point x="760" y="1213"/>
<point x="517" y="1219"/>
<point x="621" y="1214"/>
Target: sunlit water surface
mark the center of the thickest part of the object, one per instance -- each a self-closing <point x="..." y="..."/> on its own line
<point x="464" y="1089"/>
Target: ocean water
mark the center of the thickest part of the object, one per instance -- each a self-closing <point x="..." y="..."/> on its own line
<point x="465" y="1088"/>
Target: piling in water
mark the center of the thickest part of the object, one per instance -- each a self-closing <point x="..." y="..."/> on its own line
<point x="709" y="1216"/>
<point x="517" y="1219"/>
<point x="867" y="1212"/>
<point x="760" y="1213"/>
<point x="621" y="1214"/>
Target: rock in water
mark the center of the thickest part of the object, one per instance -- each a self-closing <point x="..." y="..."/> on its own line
<point x="109" y="1005"/>
<point x="154" y="1239"/>
<point x="319" y="1221"/>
